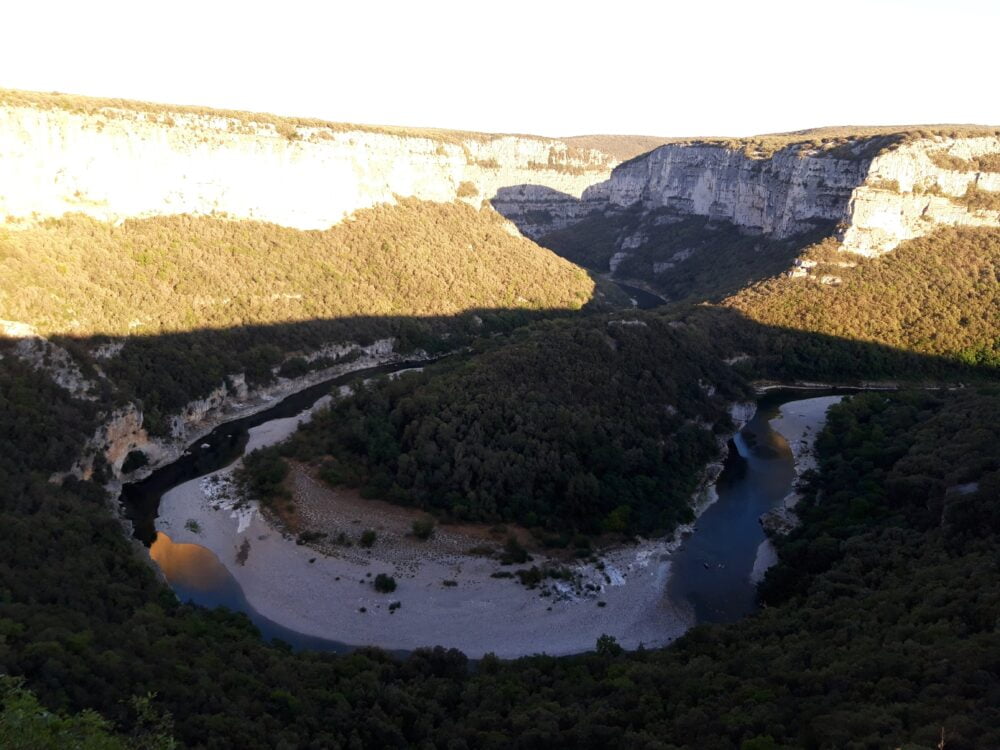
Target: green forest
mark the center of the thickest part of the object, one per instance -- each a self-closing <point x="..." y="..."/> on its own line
<point x="78" y="276"/>
<point x="938" y="294"/>
<point x="880" y="628"/>
<point x="592" y="426"/>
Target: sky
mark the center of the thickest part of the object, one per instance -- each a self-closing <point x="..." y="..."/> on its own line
<point x="547" y="67"/>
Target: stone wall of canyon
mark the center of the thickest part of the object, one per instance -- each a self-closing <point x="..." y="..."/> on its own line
<point x="120" y="163"/>
<point x="877" y="200"/>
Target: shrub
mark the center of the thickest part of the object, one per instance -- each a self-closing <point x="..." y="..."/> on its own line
<point x="384" y="584"/>
<point x="368" y="537"/>
<point x="513" y="552"/>
<point x="607" y="645"/>
<point x="467" y="189"/>
<point x="423" y="528"/>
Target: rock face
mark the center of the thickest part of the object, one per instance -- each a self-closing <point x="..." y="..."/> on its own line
<point x="122" y="431"/>
<point x="113" y="164"/>
<point x="906" y="194"/>
<point x="878" y="199"/>
<point x="784" y="195"/>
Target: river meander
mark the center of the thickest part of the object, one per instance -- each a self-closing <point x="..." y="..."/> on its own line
<point x="707" y="576"/>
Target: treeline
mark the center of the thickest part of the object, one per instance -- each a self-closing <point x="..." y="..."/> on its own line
<point x="596" y="426"/>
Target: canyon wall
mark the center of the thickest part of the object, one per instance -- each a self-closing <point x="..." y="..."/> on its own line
<point x="907" y="193"/>
<point x="878" y="199"/>
<point x="781" y="196"/>
<point x="116" y="163"/>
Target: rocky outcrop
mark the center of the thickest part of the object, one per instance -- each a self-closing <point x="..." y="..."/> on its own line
<point x="123" y="432"/>
<point x="51" y="359"/>
<point x="906" y="193"/>
<point x="116" y="163"/>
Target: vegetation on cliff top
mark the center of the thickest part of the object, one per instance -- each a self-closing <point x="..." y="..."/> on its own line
<point x="849" y="142"/>
<point x="295" y="128"/>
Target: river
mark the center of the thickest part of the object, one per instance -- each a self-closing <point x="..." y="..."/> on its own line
<point x="712" y="569"/>
<point x="709" y="572"/>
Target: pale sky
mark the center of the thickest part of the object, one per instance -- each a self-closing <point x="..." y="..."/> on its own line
<point x="699" y="67"/>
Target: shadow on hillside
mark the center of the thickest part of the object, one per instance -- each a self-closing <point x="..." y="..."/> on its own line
<point x="549" y="208"/>
<point x="682" y="256"/>
<point x="164" y="372"/>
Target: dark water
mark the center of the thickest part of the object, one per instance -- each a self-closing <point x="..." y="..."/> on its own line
<point x="643" y="300"/>
<point x="711" y="569"/>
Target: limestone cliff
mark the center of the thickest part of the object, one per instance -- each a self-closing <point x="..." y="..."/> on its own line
<point x="123" y="431"/>
<point x="906" y="193"/>
<point x="783" y="195"/>
<point x="878" y="197"/>
<point x="113" y="163"/>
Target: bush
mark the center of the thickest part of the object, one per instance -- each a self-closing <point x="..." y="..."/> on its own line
<point x="423" y="528"/>
<point x="513" y="552"/>
<point x="467" y="189"/>
<point x="367" y="538"/>
<point x="384" y="584"/>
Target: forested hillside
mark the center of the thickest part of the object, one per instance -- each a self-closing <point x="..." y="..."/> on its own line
<point x="600" y="425"/>
<point x="938" y="294"/>
<point x="183" y="302"/>
<point x="79" y="276"/>
<point x="880" y="630"/>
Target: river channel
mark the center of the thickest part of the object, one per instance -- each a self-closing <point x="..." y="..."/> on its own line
<point x="710" y="570"/>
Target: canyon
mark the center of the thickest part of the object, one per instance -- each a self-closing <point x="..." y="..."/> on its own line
<point x="118" y="160"/>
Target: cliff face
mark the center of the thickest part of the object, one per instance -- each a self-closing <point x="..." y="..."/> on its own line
<point x="878" y="200"/>
<point x="123" y="431"/>
<point x="120" y="163"/>
<point x="781" y="196"/>
<point x="113" y="163"/>
<point x="906" y="193"/>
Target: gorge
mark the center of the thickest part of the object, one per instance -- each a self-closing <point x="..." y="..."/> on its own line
<point x="533" y="355"/>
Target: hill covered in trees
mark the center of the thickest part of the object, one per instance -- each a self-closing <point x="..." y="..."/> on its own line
<point x="597" y="425"/>
<point x="938" y="294"/>
<point x="879" y="630"/>
<point x="82" y="277"/>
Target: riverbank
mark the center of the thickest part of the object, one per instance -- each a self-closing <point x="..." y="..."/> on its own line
<point x="799" y="423"/>
<point x="328" y="592"/>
